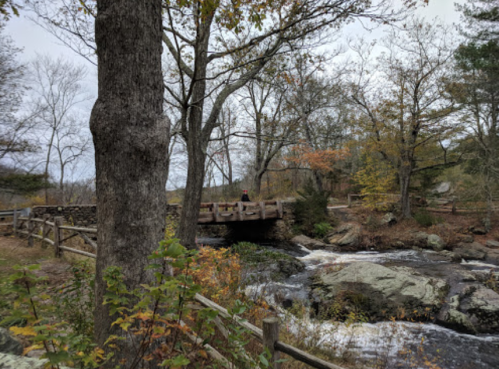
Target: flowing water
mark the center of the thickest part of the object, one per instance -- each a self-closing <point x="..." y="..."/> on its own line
<point x="397" y="344"/>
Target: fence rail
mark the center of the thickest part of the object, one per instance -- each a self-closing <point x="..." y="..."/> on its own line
<point x="268" y="336"/>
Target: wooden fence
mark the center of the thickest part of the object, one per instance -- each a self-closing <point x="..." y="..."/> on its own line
<point x="268" y="336"/>
<point x="455" y="206"/>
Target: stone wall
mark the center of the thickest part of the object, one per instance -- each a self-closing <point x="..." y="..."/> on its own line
<point x="86" y="215"/>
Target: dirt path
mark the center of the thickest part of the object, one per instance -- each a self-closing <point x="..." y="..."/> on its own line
<point x="13" y="251"/>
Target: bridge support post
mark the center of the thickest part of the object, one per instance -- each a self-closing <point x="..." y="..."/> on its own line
<point x="240" y="209"/>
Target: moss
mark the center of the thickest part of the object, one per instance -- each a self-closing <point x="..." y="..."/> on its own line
<point x="261" y="258"/>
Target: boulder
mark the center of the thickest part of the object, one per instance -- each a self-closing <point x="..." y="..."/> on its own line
<point x="467" y="238"/>
<point x="435" y="242"/>
<point x="471" y="251"/>
<point x="345" y="235"/>
<point x="312" y="244"/>
<point x="458" y="321"/>
<point x="380" y="291"/>
<point x="420" y="238"/>
<point x="388" y="219"/>
<point x="491" y="244"/>
<point x="8" y="344"/>
<point x="481" y="305"/>
<point x="477" y="230"/>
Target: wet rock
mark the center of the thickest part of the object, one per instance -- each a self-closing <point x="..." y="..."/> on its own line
<point x="8" y="344"/>
<point x="379" y="290"/>
<point x="345" y="235"/>
<point x="312" y="244"/>
<point x="472" y="251"/>
<point x="492" y="244"/>
<point x="435" y="242"/>
<point x="388" y="219"/>
<point x="458" y="321"/>
<point x="482" y="308"/>
<point x="451" y="256"/>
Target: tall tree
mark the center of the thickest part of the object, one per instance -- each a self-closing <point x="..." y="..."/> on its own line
<point x="405" y="107"/>
<point x="130" y="138"/>
<point x="481" y="19"/>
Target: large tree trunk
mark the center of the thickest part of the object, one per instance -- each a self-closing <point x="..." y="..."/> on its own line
<point x="131" y="139"/>
<point x="405" y="201"/>
<point x="319" y="180"/>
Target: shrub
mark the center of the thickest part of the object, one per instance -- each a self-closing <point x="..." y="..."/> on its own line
<point x="311" y="208"/>
<point x="426" y="219"/>
<point x="322" y="229"/>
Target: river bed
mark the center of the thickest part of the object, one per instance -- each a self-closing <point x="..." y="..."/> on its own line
<point x="396" y="344"/>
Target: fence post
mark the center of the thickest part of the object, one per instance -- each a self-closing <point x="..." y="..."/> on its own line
<point x="270" y="337"/>
<point x="349" y="200"/>
<point x="45" y="230"/>
<point x="31" y="228"/>
<point x="57" y="236"/>
<point x="14" y="222"/>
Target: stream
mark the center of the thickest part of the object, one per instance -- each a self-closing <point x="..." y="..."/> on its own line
<point x="394" y="344"/>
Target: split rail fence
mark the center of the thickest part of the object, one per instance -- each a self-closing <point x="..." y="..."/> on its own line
<point x="268" y="336"/>
<point x="454" y="205"/>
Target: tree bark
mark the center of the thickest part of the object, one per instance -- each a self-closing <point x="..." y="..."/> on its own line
<point x="405" y="201"/>
<point x="192" y="201"/>
<point x="131" y="139"/>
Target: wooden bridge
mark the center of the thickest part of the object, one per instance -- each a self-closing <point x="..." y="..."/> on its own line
<point x="226" y="212"/>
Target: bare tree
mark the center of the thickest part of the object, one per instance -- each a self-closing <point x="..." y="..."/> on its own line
<point x="57" y="91"/>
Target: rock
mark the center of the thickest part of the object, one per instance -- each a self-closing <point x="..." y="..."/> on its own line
<point x="8" y="344"/>
<point x="379" y="290"/>
<point x="451" y="256"/>
<point x="458" y="321"/>
<point x="442" y="187"/>
<point x="388" y="219"/>
<point x="8" y="361"/>
<point x="467" y="238"/>
<point x="435" y="242"/>
<point x="420" y="238"/>
<point x="345" y="235"/>
<point x="482" y="308"/>
<point x="312" y="244"/>
<point x="289" y="266"/>
<point x="472" y="251"/>
<point x="492" y="244"/>
<point x="478" y="230"/>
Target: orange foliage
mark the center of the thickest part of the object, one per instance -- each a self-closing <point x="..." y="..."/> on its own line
<point x="321" y="160"/>
<point x="219" y="273"/>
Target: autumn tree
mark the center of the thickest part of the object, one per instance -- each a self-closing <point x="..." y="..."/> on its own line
<point x="316" y="100"/>
<point x="130" y="139"/>
<point x="477" y="91"/>
<point x="405" y="107"/>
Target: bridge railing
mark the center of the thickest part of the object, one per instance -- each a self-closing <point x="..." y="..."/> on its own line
<point x="222" y="212"/>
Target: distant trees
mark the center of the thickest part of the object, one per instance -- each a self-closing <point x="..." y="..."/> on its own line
<point x="405" y="107"/>
<point x="13" y="130"/>
<point x="477" y="91"/>
<point x="57" y="90"/>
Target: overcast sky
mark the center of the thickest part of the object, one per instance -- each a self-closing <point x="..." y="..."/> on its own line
<point x="35" y="40"/>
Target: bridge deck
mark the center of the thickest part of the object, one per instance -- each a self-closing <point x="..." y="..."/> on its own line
<point x="216" y="213"/>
